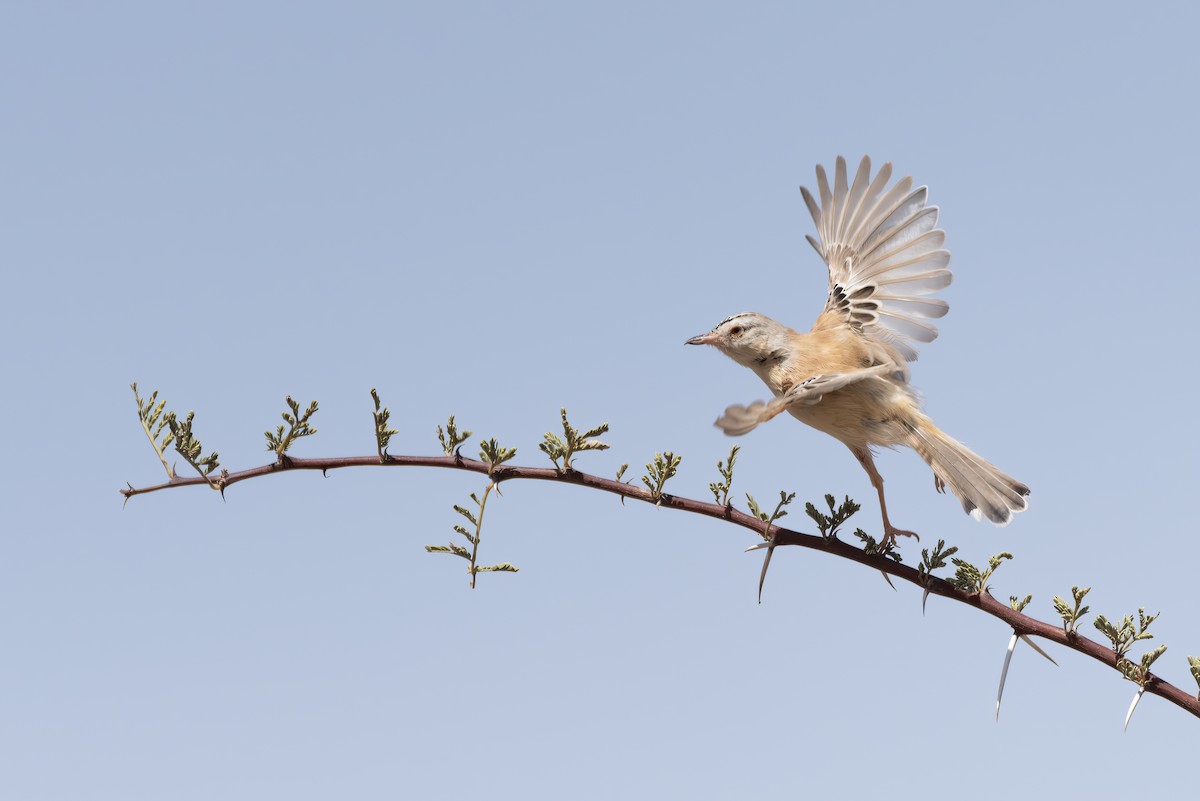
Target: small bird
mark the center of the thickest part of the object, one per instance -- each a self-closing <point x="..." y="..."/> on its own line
<point x="849" y="375"/>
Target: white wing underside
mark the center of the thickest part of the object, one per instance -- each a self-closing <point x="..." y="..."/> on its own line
<point x="738" y="419"/>
<point x="884" y="252"/>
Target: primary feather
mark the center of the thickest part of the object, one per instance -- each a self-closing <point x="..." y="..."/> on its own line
<point x="884" y="253"/>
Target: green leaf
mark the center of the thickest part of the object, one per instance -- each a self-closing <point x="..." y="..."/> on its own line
<point x="494" y="454"/>
<point x="966" y="577"/>
<point x="383" y="434"/>
<point x="838" y="515"/>
<point x="298" y="427"/>
<point x="720" y="489"/>
<point x="870" y="546"/>
<point x="451" y="438"/>
<point x="572" y="442"/>
<point x="934" y="561"/>
<point x="1071" y="615"/>
<point x="659" y="472"/>
<point x="189" y="447"/>
<point x="150" y="415"/>
<point x="456" y="550"/>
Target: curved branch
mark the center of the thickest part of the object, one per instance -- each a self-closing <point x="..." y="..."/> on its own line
<point x="1020" y="623"/>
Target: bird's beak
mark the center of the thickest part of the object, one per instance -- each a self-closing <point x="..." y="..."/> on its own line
<point x="704" y="339"/>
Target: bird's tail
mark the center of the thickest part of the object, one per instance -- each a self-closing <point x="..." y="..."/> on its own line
<point x="983" y="490"/>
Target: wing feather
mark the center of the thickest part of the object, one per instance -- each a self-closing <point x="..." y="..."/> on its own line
<point x="884" y="251"/>
<point x="869" y="203"/>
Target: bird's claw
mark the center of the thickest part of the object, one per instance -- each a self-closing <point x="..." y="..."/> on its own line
<point x="890" y="534"/>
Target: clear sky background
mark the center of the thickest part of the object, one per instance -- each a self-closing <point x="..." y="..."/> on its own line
<point x="498" y="209"/>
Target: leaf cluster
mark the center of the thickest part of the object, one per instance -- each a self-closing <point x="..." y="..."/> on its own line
<point x="838" y="514"/>
<point x="970" y="578"/>
<point x="189" y="447"/>
<point x="784" y="500"/>
<point x="297" y="427"/>
<point x="934" y="561"/>
<point x="1071" y="615"/>
<point x="1019" y="606"/>
<point x="503" y="567"/>
<point x="451" y="438"/>
<point x="659" y="472"/>
<point x="572" y="442"/>
<point x="472" y="537"/>
<point x="1139" y="673"/>
<point x="620" y="472"/>
<point x="870" y="546"/>
<point x="451" y="548"/>
<point x="720" y="489"/>
<point x="494" y="454"/>
<point x="383" y="434"/>
<point x="1124" y="635"/>
<point x="150" y="415"/>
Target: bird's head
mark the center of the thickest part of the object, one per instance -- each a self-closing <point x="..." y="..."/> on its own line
<point x="750" y="339"/>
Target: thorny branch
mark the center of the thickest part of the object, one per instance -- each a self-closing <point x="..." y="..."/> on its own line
<point x="1021" y="624"/>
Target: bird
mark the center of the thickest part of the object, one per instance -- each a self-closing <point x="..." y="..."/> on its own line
<point x="849" y="375"/>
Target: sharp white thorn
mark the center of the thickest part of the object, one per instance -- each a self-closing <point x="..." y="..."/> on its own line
<point x="1137" y="697"/>
<point x="924" y="598"/>
<point x="888" y="579"/>
<point x="758" y="547"/>
<point x="1012" y="645"/>
<point x="762" y="579"/>
<point x="1035" y="647"/>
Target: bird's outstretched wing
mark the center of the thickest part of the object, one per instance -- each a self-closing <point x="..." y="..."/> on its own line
<point x="885" y="256"/>
<point x="738" y="419"/>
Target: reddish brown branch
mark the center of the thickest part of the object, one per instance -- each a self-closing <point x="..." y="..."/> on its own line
<point x="1020" y="623"/>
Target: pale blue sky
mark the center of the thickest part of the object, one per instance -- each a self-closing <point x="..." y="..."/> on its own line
<point x="495" y="210"/>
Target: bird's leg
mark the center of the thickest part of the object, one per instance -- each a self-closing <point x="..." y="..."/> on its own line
<point x="890" y="532"/>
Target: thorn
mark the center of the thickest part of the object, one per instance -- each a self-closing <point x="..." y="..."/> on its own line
<point x="497" y="487"/>
<point x="1133" y="706"/>
<point x="1035" y="647"/>
<point x="763" y="576"/>
<point x="924" y="598"/>
<point x="222" y="488"/>
<point x="1012" y="644"/>
<point x="125" y="502"/>
<point x="888" y="580"/>
<point x="324" y="472"/>
<point x="757" y="547"/>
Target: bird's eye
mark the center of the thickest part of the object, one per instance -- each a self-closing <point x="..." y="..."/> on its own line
<point x="736" y="331"/>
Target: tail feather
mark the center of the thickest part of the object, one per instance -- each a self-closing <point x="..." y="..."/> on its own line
<point x="982" y="488"/>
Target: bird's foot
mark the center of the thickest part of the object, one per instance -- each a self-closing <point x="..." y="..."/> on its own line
<point x="891" y="532"/>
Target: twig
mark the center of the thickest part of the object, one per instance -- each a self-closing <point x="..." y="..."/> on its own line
<point x="1020" y="623"/>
